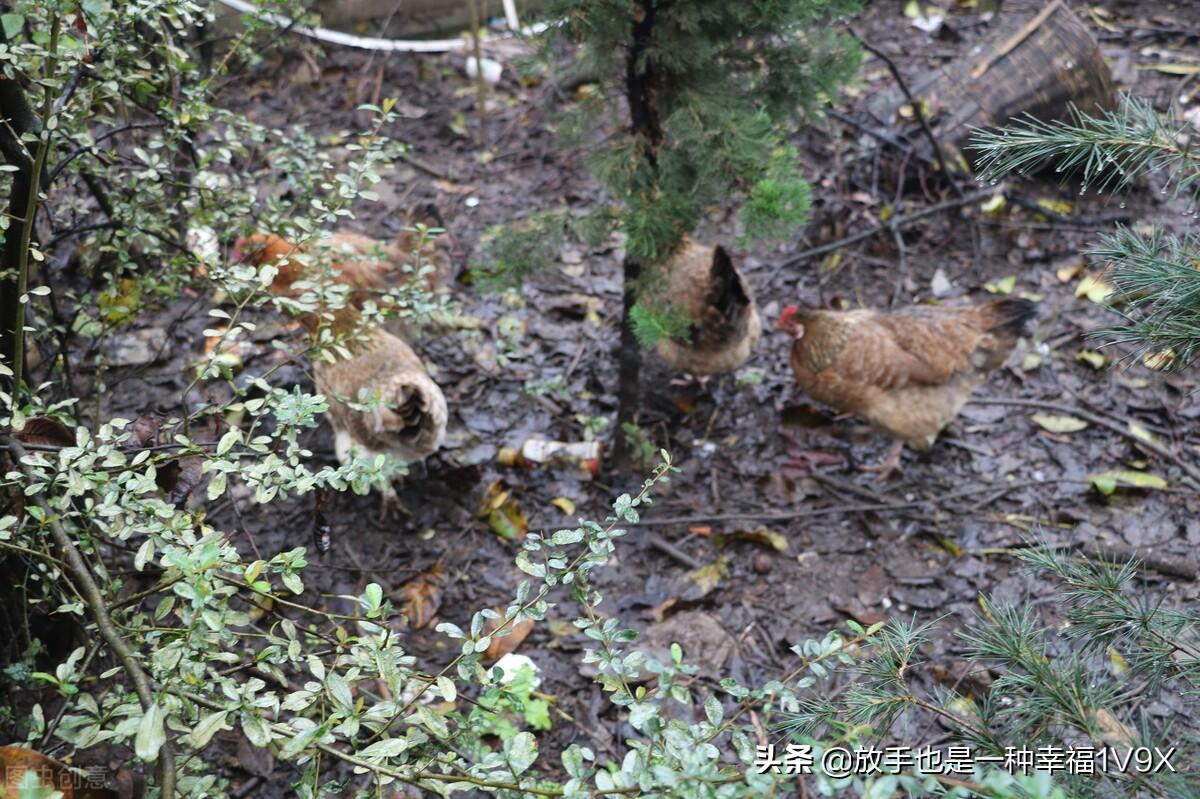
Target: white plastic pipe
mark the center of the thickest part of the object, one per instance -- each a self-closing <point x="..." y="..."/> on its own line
<point x="510" y="15"/>
<point x="349" y="40"/>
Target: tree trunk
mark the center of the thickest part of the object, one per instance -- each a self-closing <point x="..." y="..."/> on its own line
<point x="14" y="108"/>
<point x="629" y="369"/>
<point x="645" y="124"/>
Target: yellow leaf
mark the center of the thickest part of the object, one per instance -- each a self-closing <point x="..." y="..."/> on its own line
<point x="1117" y="661"/>
<point x="1031" y="361"/>
<point x="1059" y="424"/>
<point x="1161" y="360"/>
<point x="1060" y="207"/>
<point x="1094" y="288"/>
<point x="831" y="262"/>
<point x="1092" y="358"/>
<point x="996" y="205"/>
<point x="707" y="577"/>
<point x="1071" y="271"/>
<point x="1004" y="285"/>
<point x="950" y="545"/>
<point x="763" y="536"/>
<point x="564" y="504"/>
<point x="1141" y="433"/>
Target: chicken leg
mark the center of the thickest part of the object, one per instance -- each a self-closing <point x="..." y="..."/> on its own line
<point x="391" y="507"/>
<point x="889" y="465"/>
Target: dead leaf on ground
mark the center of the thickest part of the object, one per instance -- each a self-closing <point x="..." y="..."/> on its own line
<point x="1096" y="360"/>
<point x="762" y="536"/>
<point x="1160" y="361"/>
<point x="45" y="431"/>
<point x="421" y="596"/>
<point x="503" y="513"/>
<point x="1142" y="434"/>
<point x="143" y="431"/>
<point x="179" y="478"/>
<point x="1004" y="285"/>
<point x="1108" y="482"/>
<point x="707" y="577"/>
<point x="449" y="187"/>
<point x="1059" y="424"/>
<point x="1070" y="270"/>
<point x="24" y="772"/>
<point x="507" y="644"/>
<point x="1113" y="731"/>
<point x="1096" y="289"/>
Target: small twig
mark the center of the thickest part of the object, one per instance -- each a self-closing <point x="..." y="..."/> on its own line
<point x="916" y="107"/>
<point x="481" y="86"/>
<point x="1031" y="204"/>
<point x="99" y="611"/>
<point x="804" y="514"/>
<point x="895" y="223"/>
<point x="1011" y="43"/>
<point x="669" y="549"/>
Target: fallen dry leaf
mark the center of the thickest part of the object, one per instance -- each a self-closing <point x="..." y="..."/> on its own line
<point x="502" y="512"/>
<point x="707" y="577"/>
<point x="45" y="431"/>
<point x="1059" y="424"/>
<point x="421" y="596"/>
<point x="24" y="772"/>
<point x="509" y="643"/>
<point x="762" y="536"/>
<point x="1096" y="289"/>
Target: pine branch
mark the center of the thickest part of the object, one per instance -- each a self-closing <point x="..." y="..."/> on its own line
<point x="1109" y="151"/>
<point x="1155" y="274"/>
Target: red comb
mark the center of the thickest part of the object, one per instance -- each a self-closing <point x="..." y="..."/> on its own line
<point x="786" y="316"/>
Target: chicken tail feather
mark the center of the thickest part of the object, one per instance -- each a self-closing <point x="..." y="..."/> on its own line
<point x="727" y="293"/>
<point x="416" y="418"/>
<point x="1009" y="315"/>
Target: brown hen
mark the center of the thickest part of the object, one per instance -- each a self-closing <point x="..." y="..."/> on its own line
<point x="908" y="372"/>
<point x="406" y="410"/>
<point x="366" y="265"/>
<point x="703" y="283"/>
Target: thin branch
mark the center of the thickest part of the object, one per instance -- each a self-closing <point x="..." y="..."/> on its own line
<point x="916" y="107"/>
<point x="895" y="223"/>
<point x="98" y="609"/>
<point x="805" y="514"/>
<point x="1148" y="444"/>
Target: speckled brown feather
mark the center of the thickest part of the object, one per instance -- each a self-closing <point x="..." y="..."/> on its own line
<point x="702" y="282"/>
<point x="909" y="371"/>
<point x="365" y="264"/>
<point x="412" y="423"/>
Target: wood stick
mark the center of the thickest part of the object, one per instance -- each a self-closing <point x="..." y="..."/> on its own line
<point x="1011" y="43"/>
<point x="895" y="223"/>
<point x="917" y="112"/>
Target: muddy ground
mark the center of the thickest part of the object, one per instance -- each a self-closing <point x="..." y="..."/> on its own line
<point x="754" y="454"/>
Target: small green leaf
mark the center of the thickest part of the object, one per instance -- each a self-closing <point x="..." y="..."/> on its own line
<point x="521" y="751"/>
<point x="713" y="710"/>
<point x="150" y="735"/>
<point x="203" y="732"/>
